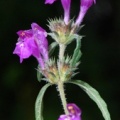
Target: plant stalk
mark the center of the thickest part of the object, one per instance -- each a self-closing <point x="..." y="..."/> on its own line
<point x="61" y="51"/>
<point x="62" y="96"/>
<point x="60" y="83"/>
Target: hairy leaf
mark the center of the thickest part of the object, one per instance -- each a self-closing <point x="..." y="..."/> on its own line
<point x="95" y="96"/>
<point x="39" y="104"/>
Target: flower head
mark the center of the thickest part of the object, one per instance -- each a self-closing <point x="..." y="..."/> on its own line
<point x="22" y="48"/>
<point x="74" y="113"/>
<point x="32" y="42"/>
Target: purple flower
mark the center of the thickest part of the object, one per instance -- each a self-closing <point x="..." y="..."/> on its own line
<point x="87" y="3"/>
<point x="74" y="113"/>
<point x="84" y="6"/>
<point x="32" y="42"/>
<point x="49" y="1"/>
<point x="66" y="6"/>
<point x="40" y="35"/>
<point x="22" y="49"/>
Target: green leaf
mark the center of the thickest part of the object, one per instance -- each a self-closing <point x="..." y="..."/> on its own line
<point x="39" y="104"/>
<point x="39" y="74"/>
<point x="77" y="52"/>
<point x="94" y="95"/>
<point x="52" y="47"/>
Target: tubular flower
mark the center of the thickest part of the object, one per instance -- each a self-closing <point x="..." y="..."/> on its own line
<point x="32" y="42"/>
<point x="66" y="6"/>
<point x="74" y="113"/>
<point x="40" y="35"/>
<point x="84" y="6"/>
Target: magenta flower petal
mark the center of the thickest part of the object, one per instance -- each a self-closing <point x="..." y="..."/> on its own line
<point x="25" y="34"/>
<point x="66" y="6"/>
<point x="74" y="113"/>
<point x="73" y="109"/>
<point x="40" y="33"/>
<point x="69" y="117"/>
<point x="87" y="3"/>
<point x="49" y="1"/>
<point x="22" y="50"/>
<point x="84" y="6"/>
<point x="34" y="48"/>
<point x="40" y="39"/>
<point x="32" y="42"/>
<point x="36" y="27"/>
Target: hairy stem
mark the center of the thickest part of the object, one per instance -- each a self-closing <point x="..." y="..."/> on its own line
<point x="60" y="83"/>
<point x="62" y="96"/>
<point x="61" y="51"/>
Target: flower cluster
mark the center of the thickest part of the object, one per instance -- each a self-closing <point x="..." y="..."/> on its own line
<point x="62" y="31"/>
<point x="74" y="113"/>
<point x="84" y="6"/>
<point x="33" y="42"/>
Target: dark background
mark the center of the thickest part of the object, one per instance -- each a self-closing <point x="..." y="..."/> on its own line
<point x="100" y="62"/>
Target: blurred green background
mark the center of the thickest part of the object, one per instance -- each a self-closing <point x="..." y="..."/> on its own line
<point x="100" y="62"/>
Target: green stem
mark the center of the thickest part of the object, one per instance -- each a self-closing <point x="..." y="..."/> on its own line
<point x="61" y="51"/>
<point x="62" y="96"/>
<point x="60" y="83"/>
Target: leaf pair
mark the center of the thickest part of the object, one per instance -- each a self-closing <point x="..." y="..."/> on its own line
<point x="92" y="93"/>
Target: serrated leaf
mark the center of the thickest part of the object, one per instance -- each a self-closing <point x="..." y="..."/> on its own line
<point x="39" y="104"/>
<point x="77" y="52"/>
<point x="95" y="96"/>
<point x="52" y="47"/>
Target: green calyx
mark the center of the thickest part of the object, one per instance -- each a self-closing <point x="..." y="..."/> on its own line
<point x="60" y="71"/>
<point x="60" y="32"/>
